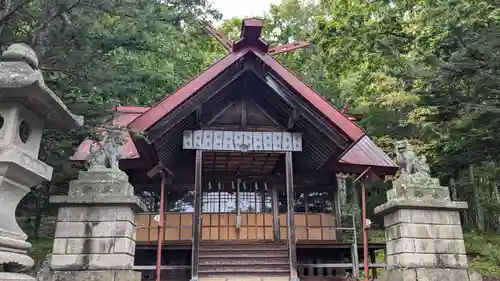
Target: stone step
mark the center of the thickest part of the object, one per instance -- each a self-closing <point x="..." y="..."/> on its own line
<point x="249" y="254"/>
<point x="272" y="268"/>
<point x="223" y="261"/>
<point x="246" y="278"/>
<point x="243" y="248"/>
<point x="250" y="268"/>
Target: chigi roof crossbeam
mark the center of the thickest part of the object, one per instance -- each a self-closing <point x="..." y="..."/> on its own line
<point x="250" y="36"/>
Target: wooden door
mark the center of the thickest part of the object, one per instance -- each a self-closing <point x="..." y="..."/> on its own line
<point x="223" y="226"/>
<point x="222" y="208"/>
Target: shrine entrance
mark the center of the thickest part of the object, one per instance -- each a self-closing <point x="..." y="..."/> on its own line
<point x="239" y="210"/>
<point x="236" y="198"/>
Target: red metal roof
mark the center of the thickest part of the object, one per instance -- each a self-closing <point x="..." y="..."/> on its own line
<point x="365" y="153"/>
<point x="150" y="117"/>
<point x="321" y="104"/>
<point x="126" y="114"/>
<point x="157" y="111"/>
<point x="250" y="42"/>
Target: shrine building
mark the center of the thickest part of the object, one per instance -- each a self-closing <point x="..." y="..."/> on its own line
<point x="248" y="156"/>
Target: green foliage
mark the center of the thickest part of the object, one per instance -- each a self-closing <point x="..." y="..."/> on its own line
<point x="485" y="250"/>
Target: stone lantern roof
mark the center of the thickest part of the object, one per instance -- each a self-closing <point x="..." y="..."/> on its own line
<point x="21" y="80"/>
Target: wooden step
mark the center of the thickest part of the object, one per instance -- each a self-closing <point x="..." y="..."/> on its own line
<point x="251" y="268"/>
<point x="243" y="261"/>
<point x="270" y="247"/>
<point x="247" y="254"/>
<point x="246" y="278"/>
<point x="243" y="270"/>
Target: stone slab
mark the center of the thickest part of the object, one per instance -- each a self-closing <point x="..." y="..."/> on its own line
<point x="425" y="246"/>
<point x="425" y="231"/>
<point x="133" y="202"/>
<point x="7" y="276"/>
<point x="422" y="217"/>
<point x="96" y="214"/>
<point x="108" y="245"/>
<point x="416" y="260"/>
<point x="444" y="205"/>
<point x="110" y="275"/>
<point x="23" y="168"/>
<point x="113" y="229"/>
<point x="420" y="193"/>
<point x="78" y="262"/>
<point x="103" y="174"/>
<point x="22" y="259"/>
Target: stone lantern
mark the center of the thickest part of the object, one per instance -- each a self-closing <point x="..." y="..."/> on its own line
<point x="27" y="105"/>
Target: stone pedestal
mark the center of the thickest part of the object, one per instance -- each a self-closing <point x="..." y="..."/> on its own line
<point x="424" y="234"/>
<point x="95" y="230"/>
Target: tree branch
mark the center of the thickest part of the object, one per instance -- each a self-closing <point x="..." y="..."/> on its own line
<point x="40" y="33"/>
<point x="7" y="17"/>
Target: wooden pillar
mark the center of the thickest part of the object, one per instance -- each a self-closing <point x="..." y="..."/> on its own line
<point x="276" y="213"/>
<point x="292" y="251"/>
<point x="196" y="216"/>
<point x="337" y="203"/>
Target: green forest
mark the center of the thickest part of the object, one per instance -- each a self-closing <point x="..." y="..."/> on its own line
<point x="427" y="71"/>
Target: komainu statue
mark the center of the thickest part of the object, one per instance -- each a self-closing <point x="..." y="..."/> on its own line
<point x="408" y="161"/>
<point x="414" y="168"/>
<point x="106" y="153"/>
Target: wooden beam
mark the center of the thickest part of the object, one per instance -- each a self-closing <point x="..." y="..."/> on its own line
<point x="288" y="47"/>
<point x="292" y="101"/>
<point x="198" y="116"/>
<point x="338" y="206"/>
<point x="159" y="168"/>
<point x="292" y="243"/>
<point x="314" y="119"/>
<point x="266" y="114"/>
<point x="292" y="119"/>
<point x="228" y="44"/>
<point x="243" y="113"/>
<point x="220" y="113"/>
<point x="170" y="120"/>
<point x="276" y="214"/>
<point x="196" y="216"/>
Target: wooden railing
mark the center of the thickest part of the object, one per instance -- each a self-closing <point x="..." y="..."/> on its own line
<point x="222" y="226"/>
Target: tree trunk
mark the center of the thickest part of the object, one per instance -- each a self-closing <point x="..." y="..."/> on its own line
<point x="39" y="38"/>
<point x="5" y="9"/>
<point x="496" y="193"/>
<point x="478" y="210"/>
<point x="41" y="209"/>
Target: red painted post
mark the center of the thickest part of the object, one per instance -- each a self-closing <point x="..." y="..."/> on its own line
<point x="365" y="235"/>
<point x="160" y="227"/>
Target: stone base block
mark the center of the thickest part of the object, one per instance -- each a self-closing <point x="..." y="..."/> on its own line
<point x="432" y="274"/>
<point x="6" y="276"/>
<point x="412" y="260"/>
<point x="92" y="262"/>
<point x="104" y="275"/>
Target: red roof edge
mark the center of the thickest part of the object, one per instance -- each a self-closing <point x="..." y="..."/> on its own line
<point x="365" y="153"/>
<point x="351" y="129"/>
<point x="160" y="109"/>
